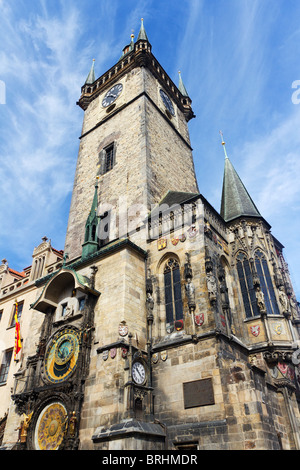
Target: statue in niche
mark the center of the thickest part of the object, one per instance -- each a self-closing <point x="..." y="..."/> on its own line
<point x="190" y="292"/>
<point x="211" y="286"/>
<point x="260" y="299"/>
<point x="283" y="299"/>
<point x="149" y="305"/>
<point x="189" y="287"/>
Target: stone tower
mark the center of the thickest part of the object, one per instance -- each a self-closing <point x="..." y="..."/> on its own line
<point x="134" y="138"/>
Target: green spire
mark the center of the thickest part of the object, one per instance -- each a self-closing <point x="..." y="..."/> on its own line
<point x="142" y="34"/>
<point x="90" y="244"/>
<point x="236" y="201"/>
<point x="91" y="76"/>
<point x="181" y="86"/>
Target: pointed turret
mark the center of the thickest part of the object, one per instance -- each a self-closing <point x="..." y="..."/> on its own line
<point x="181" y="86"/>
<point x="90" y="240"/>
<point x="91" y="76"/>
<point x="236" y="201"/>
<point x="142" y="34"/>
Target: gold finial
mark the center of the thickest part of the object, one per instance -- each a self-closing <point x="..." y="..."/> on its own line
<point x="223" y="143"/>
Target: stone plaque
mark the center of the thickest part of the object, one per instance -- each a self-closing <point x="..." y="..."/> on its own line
<point x="198" y="393"/>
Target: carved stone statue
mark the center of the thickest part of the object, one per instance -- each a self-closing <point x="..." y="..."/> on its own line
<point x="283" y="299"/>
<point x="149" y="305"/>
<point x="190" y="292"/>
<point x="25" y="426"/>
<point x="211" y="286"/>
<point x="260" y="299"/>
<point x="72" y="426"/>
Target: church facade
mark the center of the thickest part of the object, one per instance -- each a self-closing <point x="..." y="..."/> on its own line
<point x="163" y="324"/>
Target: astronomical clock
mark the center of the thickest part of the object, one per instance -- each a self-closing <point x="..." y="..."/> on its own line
<point x="50" y="387"/>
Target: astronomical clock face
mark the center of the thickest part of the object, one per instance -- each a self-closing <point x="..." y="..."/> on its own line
<point x="61" y="356"/>
<point x="50" y="427"/>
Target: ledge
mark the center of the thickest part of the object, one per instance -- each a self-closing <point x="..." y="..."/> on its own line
<point x="130" y="428"/>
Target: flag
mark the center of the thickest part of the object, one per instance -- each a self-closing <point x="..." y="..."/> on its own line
<point x="18" y="344"/>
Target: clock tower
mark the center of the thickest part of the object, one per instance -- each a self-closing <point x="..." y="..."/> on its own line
<point x="134" y="141"/>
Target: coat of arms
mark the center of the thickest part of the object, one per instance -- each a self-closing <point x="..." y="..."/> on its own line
<point x="199" y="319"/>
<point x="105" y="355"/>
<point x="282" y="367"/>
<point x="277" y="327"/>
<point x="113" y="353"/>
<point x="123" y="329"/>
<point x="255" y="330"/>
<point x="161" y="244"/>
<point x="178" y="325"/>
<point x="175" y="241"/>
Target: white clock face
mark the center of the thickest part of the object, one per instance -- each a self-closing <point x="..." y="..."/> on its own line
<point x="138" y="373"/>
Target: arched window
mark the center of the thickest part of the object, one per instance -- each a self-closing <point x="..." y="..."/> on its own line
<point x="173" y="299"/>
<point x="266" y="283"/>
<point x="247" y="287"/>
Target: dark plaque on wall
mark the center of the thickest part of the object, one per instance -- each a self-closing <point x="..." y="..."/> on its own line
<point x="198" y="393"/>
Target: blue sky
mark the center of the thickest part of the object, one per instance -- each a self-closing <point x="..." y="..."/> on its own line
<point x="238" y="60"/>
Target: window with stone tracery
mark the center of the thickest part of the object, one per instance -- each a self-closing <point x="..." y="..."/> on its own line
<point x="245" y="275"/>
<point x="173" y="298"/>
<point x="266" y="284"/>
<point x="246" y="285"/>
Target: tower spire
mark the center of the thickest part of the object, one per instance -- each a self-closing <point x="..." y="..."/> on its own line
<point x="142" y="34"/>
<point x="236" y="201"/>
<point x="91" y="76"/>
<point x="181" y="86"/>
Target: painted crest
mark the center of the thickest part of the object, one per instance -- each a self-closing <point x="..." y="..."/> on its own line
<point x="155" y="358"/>
<point x="164" y="355"/>
<point x="124" y="352"/>
<point x="105" y="355"/>
<point x="161" y="244"/>
<point x="282" y="367"/>
<point x="178" y="325"/>
<point x="255" y="330"/>
<point x="123" y="329"/>
<point x="192" y="231"/>
<point x="113" y="353"/>
<point x="199" y="319"/>
<point x="277" y="327"/>
<point x="169" y="328"/>
<point x="182" y="238"/>
<point x="175" y="241"/>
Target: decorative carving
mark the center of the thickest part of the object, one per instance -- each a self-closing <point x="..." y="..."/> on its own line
<point x="283" y="299"/>
<point x="260" y="299"/>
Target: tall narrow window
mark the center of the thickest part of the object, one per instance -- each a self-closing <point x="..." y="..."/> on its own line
<point x="247" y="287"/>
<point x="173" y="299"/>
<point x="109" y="162"/>
<point x="107" y="158"/>
<point x="4" y="368"/>
<point x="266" y="283"/>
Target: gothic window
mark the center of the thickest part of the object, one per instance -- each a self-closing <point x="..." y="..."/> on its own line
<point x="247" y="287"/>
<point x="266" y="283"/>
<point x="173" y="299"/>
<point x="4" y="368"/>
